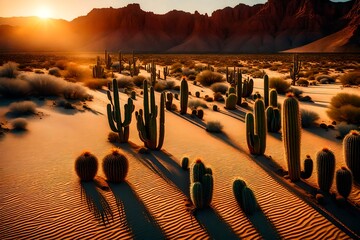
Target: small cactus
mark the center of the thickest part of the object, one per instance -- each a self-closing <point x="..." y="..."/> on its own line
<point x="86" y="166"/>
<point x="230" y="102"/>
<point x="232" y="90"/>
<point x="266" y="90"/>
<point x="273" y="98"/>
<point x="184" y="96"/>
<point x="133" y="95"/>
<point x="351" y="148"/>
<point x="200" y="113"/>
<point x="196" y="194"/>
<point x="343" y="182"/>
<point x="185" y="163"/>
<point x="238" y="186"/>
<point x="208" y="188"/>
<point x="273" y="119"/>
<point x="197" y="94"/>
<point x="326" y="169"/>
<point x="115" y="166"/>
<point x="197" y="171"/>
<point x="250" y="204"/>
<point x="202" y="184"/>
<point x="169" y="101"/>
<point x="308" y="168"/>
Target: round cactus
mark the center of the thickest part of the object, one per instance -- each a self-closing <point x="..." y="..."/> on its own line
<point x="208" y="188"/>
<point x="185" y="163"/>
<point x="197" y="171"/>
<point x="232" y="90"/>
<point x="273" y="98"/>
<point x="196" y="194"/>
<point x="238" y="186"/>
<point x="115" y="166"/>
<point x="230" y="102"/>
<point x="208" y="170"/>
<point x="325" y="168"/>
<point x="249" y="201"/>
<point x="86" y="166"/>
<point x="343" y="182"/>
<point x="200" y="113"/>
<point x="133" y="95"/>
<point x="351" y="147"/>
<point x="308" y="168"/>
<point x="197" y="94"/>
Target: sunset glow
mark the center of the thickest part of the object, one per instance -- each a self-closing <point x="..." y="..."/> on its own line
<point x="44" y="12"/>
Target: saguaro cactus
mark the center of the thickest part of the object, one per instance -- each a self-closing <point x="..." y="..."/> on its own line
<point x="295" y="69"/>
<point x="266" y="90"/>
<point x="239" y="87"/>
<point x="351" y="148"/>
<point x="146" y="120"/>
<point x="114" y="113"/>
<point x="256" y="133"/>
<point x="184" y="96"/>
<point x="291" y="128"/>
<point x="120" y="60"/>
<point x="108" y="61"/>
<point x="166" y="72"/>
<point x="325" y="168"/>
<point x="98" y="70"/>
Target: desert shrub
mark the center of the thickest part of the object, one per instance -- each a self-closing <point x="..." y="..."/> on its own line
<point x="324" y="79"/>
<point x="22" y="108"/>
<point x="75" y="92"/>
<point x="75" y="72"/>
<point x="279" y="84"/>
<point x="187" y="72"/>
<point x="9" y="70"/>
<point x="195" y="103"/>
<point x="308" y="118"/>
<point x="207" y="78"/>
<point x="214" y="126"/>
<point x="176" y="68"/>
<point x="297" y="92"/>
<point x="164" y="85"/>
<point x="19" y="124"/>
<point x="113" y="137"/>
<point x="138" y="80"/>
<point x="345" y="107"/>
<point x="61" y="64"/>
<point x="39" y="71"/>
<point x="351" y="78"/>
<point x="95" y="84"/>
<point x="302" y="82"/>
<point x="257" y="74"/>
<point x="219" y="87"/>
<point x="218" y="97"/>
<point x="125" y="82"/>
<point x="14" y="88"/>
<point x="55" y="72"/>
<point x="191" y="77"/>
<point x="344" y="128"/>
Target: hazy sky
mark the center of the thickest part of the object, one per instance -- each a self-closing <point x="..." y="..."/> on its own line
<point x="70" y="9"/>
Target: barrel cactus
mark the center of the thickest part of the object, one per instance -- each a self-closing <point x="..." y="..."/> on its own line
<point x="185" y="163"/>
<point x="291" y="127"/>
<point x="115" y="166"/>
<point x="343" y="181"/>
<point x="184" y="96"/>
<point x="308" y="168"/>
<point x="250" y="204"/>
<point x="273" y="119"/>
<point x="238" y="186"/>
<point x="86" y="166"/>
<point x="351" y="148"/>
<point x="196" y="194"/>
<point x="230" y="102"/>
<point x="266" y="90"/>
<point x="197" y="171"/>
<point x="273" y="98"/>
<point x="208" y="188"/>
<point x="325" y="168"/>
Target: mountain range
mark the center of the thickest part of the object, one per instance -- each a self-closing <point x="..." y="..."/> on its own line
<point x="276" y="26"/>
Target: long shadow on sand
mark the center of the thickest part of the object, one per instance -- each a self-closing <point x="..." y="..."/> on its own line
<point x="263" y="225"/>
<point x="134" y="214"/>
<point x="96" y="202"/>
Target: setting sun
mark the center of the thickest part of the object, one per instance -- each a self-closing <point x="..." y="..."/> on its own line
<point x="43" y="12"/>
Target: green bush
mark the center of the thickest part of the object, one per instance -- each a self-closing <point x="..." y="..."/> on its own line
<point x="9" y="70"/>
<point x="195" y="103"/>
<point x="19" y="124"/>
<point x="308" y="118"/>
<point x="55" y="72"/>
<point x="22" y="108"/>
<point x="214" y="126"/>
<point x="345" y="107"/>
<point x="351" y="78"/>
<point x="281" y="85"/>
<point x="207" y="78"/>
<point x="138" y="80"/>
<point x="219" y="87"/>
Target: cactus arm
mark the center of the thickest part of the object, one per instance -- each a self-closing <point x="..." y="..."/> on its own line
<point x="162" y="121"/>
<point x="110" y="118"/>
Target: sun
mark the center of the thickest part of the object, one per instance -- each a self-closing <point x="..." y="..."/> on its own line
<point x="43" y="12"/>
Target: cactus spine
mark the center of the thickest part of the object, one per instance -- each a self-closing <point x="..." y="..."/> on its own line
<point x="343" y="182"/>
<point x="86" y="166"/>
<point x="308" y="168"/>
<point x="115" y="166"/>
<point x="184" y="96"/>
<point x="291" y="127"/>
<point x="351" y="148"/>
<point x="114" y="114"/>
<point x="325" y="168"/>
<point x="146" y="120"/>
<point x="266" y="90"/>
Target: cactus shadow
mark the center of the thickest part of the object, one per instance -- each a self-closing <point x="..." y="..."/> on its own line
<point x="263" y="225"/>
<point x="276" y="135"/>
<point x="194" y="120"/>
<point x="214" y="225"/>
<point x="96" y="202"/>
<point x="133" y="213"/>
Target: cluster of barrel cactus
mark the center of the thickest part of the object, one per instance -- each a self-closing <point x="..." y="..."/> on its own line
<point x="248" y="87"/>
<point x="291" y="127"/>
<point x="245" y="196"/>
<point x="231" y="100"/>
<point x="351" y="148"/>
<point x="201" y="184"/>
<point x="147" y="120"/>
<point x="273" y="116"/>
<point x="115" y="166"/>
<point x="184" y="96"/>
<point x="256" y="129"/>
<point x="325" y="168"/>
<point x="114" y="113"/>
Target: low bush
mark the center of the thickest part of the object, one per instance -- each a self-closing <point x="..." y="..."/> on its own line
<point x="176" y="68"/>
<point x="325" y="79"/>
<point x="219" y="87"/>
<point x="14" y="88"/>
<point x="218" y="97"/>
<point x="22" y="108"/>
<point x="55" y="72"/>
<point x="195" y="103"/>
<point x="19" y="124"/>
<point x="207" y="78"/>
<point x="95" y="84"/>
<point x="125" y="82"/>
<point x="164" y="85"/>
<point x="281" y="85"/>
<point x="351" y="78"/>
<point x="138" y="80"/>
<point x="9" y="70"/>
<point x="214" y="126"/>
<point x="345" y="107"/>
<point x="302" y="82"/>
<point x="344" y="128"/>
<point x="308" y="118"/>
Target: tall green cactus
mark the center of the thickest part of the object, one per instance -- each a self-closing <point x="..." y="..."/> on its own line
<point x="256" y="132"/>
<point x="273" y="98"/>
<point x="184" y="96"/>
<point x="266" y="90"/>
<point x="239" y="87"/>
<point x="250" y="87"/>
<point x="273" y="119"/>
<point x="108" y="61"/>
<point x="230" y="102"/>
<point x="351" y="148"/>
<point x="326" y="168"/>
<point x="343" y="181"/>
<point x="146" y="120"/>
<point x="98" y="70"/>
<point x="114" y="113"/>
<point x="166" y="72"/>
<point x="208" y="188"/>
<point x="291" y="127"/>
<point x="152" y="73"/>
<point x="295" y="69"/>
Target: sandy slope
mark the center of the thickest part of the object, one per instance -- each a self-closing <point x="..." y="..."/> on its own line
<point x="42" y="197"/>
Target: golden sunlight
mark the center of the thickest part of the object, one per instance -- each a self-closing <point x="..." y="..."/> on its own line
<point x="43" y="12"/>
